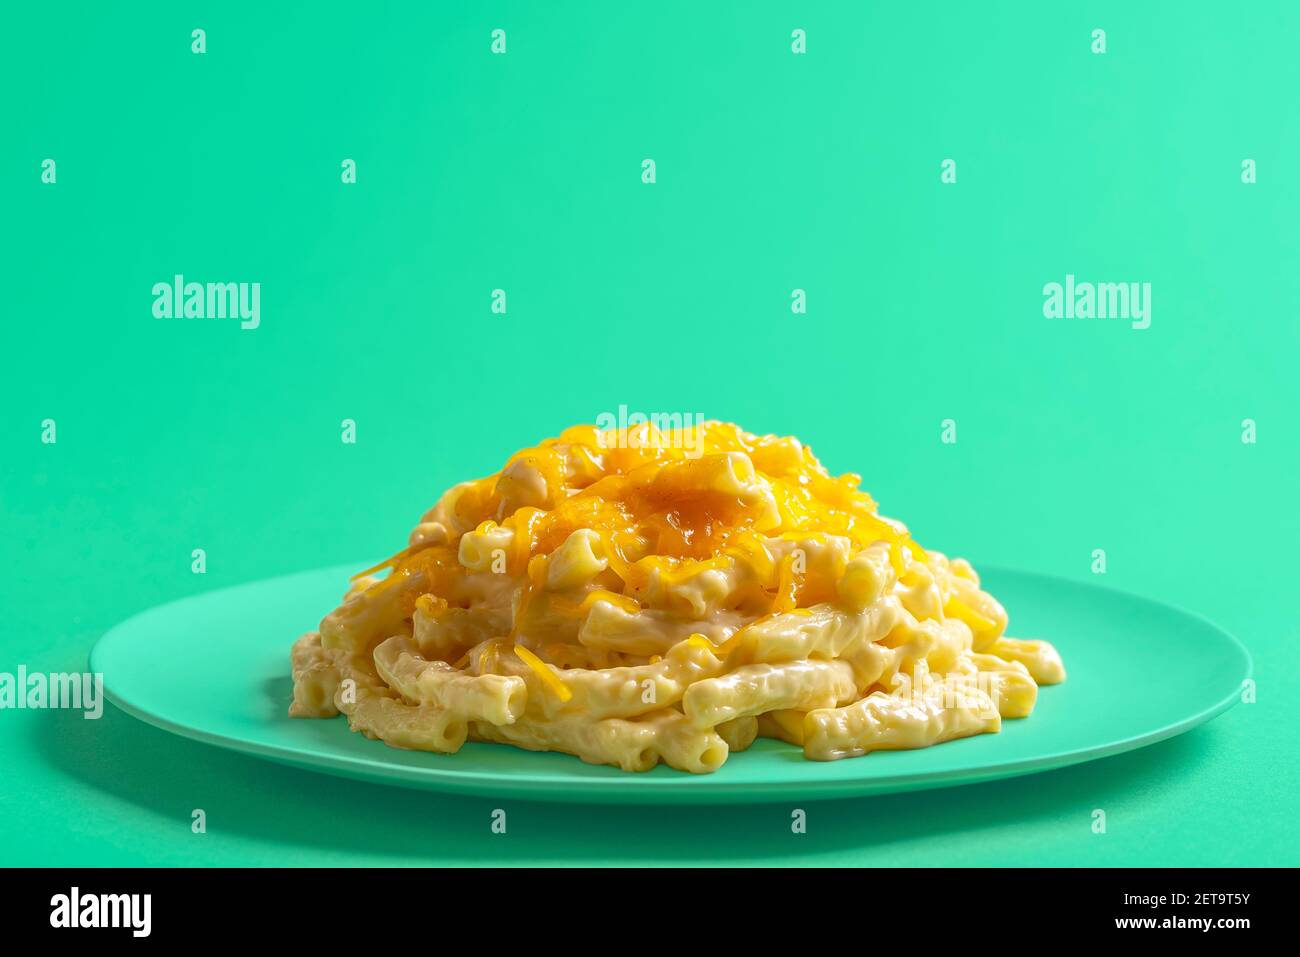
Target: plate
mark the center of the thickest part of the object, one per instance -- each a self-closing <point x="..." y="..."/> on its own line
<point x="215" y="667"/>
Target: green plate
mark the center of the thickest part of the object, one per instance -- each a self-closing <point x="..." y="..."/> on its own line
<point x="216" y="668"/>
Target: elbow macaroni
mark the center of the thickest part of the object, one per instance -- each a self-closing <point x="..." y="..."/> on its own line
<point x="633" y="603"/>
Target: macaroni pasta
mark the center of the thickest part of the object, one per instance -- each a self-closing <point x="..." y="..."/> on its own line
<point x="667" y="597"/>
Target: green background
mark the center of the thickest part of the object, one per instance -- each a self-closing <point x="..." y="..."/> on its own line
<point x="522" y="172"/>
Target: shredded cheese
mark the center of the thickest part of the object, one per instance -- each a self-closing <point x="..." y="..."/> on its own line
<point x="540" y="668"/>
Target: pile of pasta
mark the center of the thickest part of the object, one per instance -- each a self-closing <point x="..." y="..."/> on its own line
<point x="667" y="596"/>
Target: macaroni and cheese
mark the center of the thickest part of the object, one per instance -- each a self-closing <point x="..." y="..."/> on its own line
<point x="667" y="597"/>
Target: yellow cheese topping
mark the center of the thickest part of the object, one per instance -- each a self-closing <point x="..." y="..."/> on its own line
<point x="667" y="506"/>
<point x="549" y="678"/>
